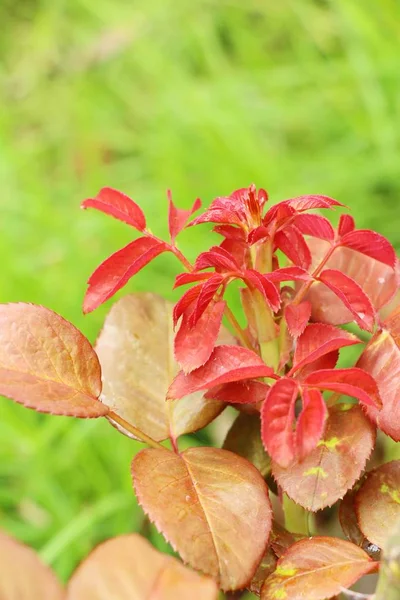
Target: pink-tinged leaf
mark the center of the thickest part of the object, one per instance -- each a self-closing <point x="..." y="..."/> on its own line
<point x="277" y="418"/>
<point x="378" y="502"/>
<point x="346" y="224"/>
<point x="372" y="244"/>
<point x="292" y="243"/>
<point x="257" y="234"/>
<point x="218" y="214"/>
<point x="315" y="225"/>
<point x="352" y="382"/>
<point x="118" y="205"/>
<point x="116" y="270"/>
<point x="186" y="301"/>
<point x="335" y="464"/>
<point x="129" y="568"/>
<point x="289" y="274"/>
<point x="177" y="217"/>
<point x="278" y="215"/>
<point x="136" y="352"/>
<point x="377" y="280"/>
<point x="239" y="392"/>
<point x="263" y="285"/>
<point x="381" y="359"/>
<point x="23" y="576"/>
<point x="319" y="339"/>
<point x="47" y="364"/>
<point x="327" y="361"/>
<point x="205" y="297"/>
<point x="230" y="232"/>
<point x="352" y="296"/>
<point x="244" y="439"/>
<point x="185" y="278"/>
<point x="317" y="568"/>
<point x="217" y="257"/>
<point x="204" y="500"/>
<point x="193" y="345"/>
<point x="311" y="422"/>
<point x="312" y="201"/>
<point x="226" y="364"/>
<point x="297" y="317"/>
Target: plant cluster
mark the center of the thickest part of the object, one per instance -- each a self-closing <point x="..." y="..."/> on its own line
<point x="305" y="427"/>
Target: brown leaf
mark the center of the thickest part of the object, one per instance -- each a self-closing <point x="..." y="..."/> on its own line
<point x="244" y="438"/>
<point x="315" y="569"/>
<point x="23" y="576"/>
<point x="281" y="539"/>
<point x="129" y="568"/>
<point x="266" y="567"/>
<point x="378" y="502"/>
<point x="211" y="505"/>
<point x="47" y="364"/>
<point x="332" y="468"/>
<point x="136" y="354"/>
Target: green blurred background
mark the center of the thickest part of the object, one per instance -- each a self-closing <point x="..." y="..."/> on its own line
<point x="201" y="96"/>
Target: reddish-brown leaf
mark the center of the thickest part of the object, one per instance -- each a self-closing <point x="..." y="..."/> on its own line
<point x="292" y="243"/>
<point x="352" y="382"/>
<point x="352" y="296"/>
<point x="116" y="270"/>
<point x="22" y="574"/>
<point x="281" y="539"/>
<point x="315" y="569"/>
<point x="332" y="468"/>
<point x="318" y="340"/>
<point x="381" y="359"/>
<point x="297" y="317"/>
<point x="248" y="391"/>
<point x="277" y="418"/>
<point x="349" y="523"/>
<point x="193" y="345"/>
<point x="377" y="280"/>
<point x="129" y="568"/>
<point x="311" y="422"/>
<point x="226" y="364"/>
<point x="378" y="502"/>
<point x="372" y="244"/>
<point x="204" y="500"/>
<point x="315" y="225"/>
<point x="266" y="567"/>
<point x="118" y="205"/>
<point x="177" y="217"/>
<point x="244" y="438"/>
<point x="47" y="364"/>
<point x="135" y="349"/>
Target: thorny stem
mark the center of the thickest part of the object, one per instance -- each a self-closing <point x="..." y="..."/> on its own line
<point x="306" y="286"/>
<point x="138" y="433"/>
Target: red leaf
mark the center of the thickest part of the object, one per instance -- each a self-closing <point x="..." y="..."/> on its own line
<point x="277" y="418"/>
<point x="230" y="232"/>
<point x="311" y="422"/>
<point x="118" y="205"/>
<point x="319" y="339"/>
<point x="312" y="201"/>
<point x="315" y="225"/>
<point x="116" y="270"/>
<point x="218" y="214"/>
<point x="289" y="274"/>
<point x="177" y="217"/>
<point x="327" y="361"/>
<point x="352" y="382"/>
<point x="218" y="258"/>
<point x="237" y="249"/>
<point x="47" y="364"/>
<point x="185" y="301"/>
<point x="207" y="292"/>
<point x="239" y="392"/>
<point x="259" y="233"/>
<point x="297" y="317"/>
<point x="227" y="363"/>
<point x="352" y="296"/>
<point x="292" y="243"/>
<point x="193" y="345"/>
<point x="346" y="224"/>
<point x="185" y="278"/>
<point x="267" y="289"/>
<point x="372" y="244"/>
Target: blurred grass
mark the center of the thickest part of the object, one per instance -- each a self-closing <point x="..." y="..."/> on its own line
<point x="202" y="97"/>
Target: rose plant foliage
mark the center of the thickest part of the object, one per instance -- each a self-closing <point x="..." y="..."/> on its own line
<point x="305" y="428"/>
